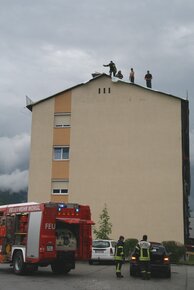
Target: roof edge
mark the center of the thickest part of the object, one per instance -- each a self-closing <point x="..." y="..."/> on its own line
<point x="30" y="104"/>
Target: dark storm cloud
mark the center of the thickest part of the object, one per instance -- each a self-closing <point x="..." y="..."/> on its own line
<point x="47" y="46"/>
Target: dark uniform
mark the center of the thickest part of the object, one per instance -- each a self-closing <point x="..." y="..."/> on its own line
<point x="148" y="78"/>
<point x="113" y="69"/>
<point x="119" y="75"/>
<point x="119" y="256"/>
<point x="132" y="76"/>
<point x="143" y="251"/>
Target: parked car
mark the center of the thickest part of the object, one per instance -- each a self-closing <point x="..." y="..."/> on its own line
<point x="160" y="261"/>
<point x="102" y="251"/>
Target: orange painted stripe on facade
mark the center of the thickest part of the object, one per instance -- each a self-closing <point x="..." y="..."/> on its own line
<point x="63" y="103"/>
<point x="61" y="136"/>
<point x="59" y="198"/>
<point x="60" y="169"/>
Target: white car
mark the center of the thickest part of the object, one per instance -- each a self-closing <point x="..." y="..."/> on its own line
<point x="102" y="251"/>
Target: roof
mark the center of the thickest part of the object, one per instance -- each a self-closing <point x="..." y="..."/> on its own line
<point x="30" y="103"/>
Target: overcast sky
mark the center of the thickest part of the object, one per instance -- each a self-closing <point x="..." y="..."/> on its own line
<point x="47" y="46"/>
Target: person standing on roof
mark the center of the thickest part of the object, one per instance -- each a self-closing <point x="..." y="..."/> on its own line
<point x="119" y="75"/>
<point x="113" y="69"/>
<point x="119" y="256"/>
<point x="148" y="78"/>
<point x="143" y="249"/>
<point x="132" y="76"/>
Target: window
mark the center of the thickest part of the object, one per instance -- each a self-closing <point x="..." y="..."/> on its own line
<point x="60" y="187"/>
<point x="62" y="120"/>
<point x="61" y="153"/>
<point x="60" y="191"/>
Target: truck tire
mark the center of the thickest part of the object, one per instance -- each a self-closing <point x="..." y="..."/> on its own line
<point x="67" y="269"/>
<point x="19" y="266"/>
<point x="58" y="268"/>
<point x="31" y="268"/>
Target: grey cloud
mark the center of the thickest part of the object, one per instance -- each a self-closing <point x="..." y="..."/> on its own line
<point x="14" y="153"/>
<point x="15" y="181"/>
<point x="48" y="46"/>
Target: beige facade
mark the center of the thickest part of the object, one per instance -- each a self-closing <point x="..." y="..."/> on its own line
<point x="126" y="150"/>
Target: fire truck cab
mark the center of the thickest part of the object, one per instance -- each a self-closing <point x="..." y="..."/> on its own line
<point x="42" y="234"/>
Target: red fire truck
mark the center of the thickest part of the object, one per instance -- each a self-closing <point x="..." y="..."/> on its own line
<point x="42" y="234"/>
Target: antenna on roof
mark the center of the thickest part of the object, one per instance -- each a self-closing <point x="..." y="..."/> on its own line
<point x="187" y="95"/>
<point x="28" y="101"/>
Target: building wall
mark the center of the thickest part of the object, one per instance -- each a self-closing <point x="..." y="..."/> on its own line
<point x="126" y="152"/>
<point x="39" y="188"/>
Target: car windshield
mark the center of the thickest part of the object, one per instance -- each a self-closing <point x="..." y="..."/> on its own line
<point x="101" y="244"/>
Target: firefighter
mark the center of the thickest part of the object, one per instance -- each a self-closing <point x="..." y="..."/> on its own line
<point x="113" y="69"/>
<point x="143" y="249"/>
<point x="119" y="256"/>
<point x="119" y="75"/>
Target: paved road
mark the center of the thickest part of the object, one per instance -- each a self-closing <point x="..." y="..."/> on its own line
<point x="95" y="277"/>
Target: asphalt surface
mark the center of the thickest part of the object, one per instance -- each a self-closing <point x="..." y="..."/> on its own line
<point x="95" y="277"/>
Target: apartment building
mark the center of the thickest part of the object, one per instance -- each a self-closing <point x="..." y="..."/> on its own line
<point x="110" y="141"/>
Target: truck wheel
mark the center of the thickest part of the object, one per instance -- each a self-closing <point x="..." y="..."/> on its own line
<point x="58" y="268"/>
<point x="31" y="268"/>
<point x="19" y="266"/>
<point x="67" y="270"/>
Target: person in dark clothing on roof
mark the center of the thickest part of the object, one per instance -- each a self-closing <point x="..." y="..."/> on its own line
<point x="148" y="78"/>
<point x="119" y="74"/>
<point x="132" y="76"/>
<point x="113" y="69"/>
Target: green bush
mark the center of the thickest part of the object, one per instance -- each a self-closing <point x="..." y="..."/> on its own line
<point x="129" y="246"/>
<point x="176" y="250"/>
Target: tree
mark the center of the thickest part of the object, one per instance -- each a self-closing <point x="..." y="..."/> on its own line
<point x="105" y="226"/>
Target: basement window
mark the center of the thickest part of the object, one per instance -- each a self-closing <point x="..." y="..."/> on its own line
<point x="62" y="191"/>
<point x="60" y="187"/>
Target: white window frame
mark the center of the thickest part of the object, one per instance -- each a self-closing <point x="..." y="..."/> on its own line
<point x="60" y="191"/>
<point x="68" y="115"/>
<point x="61" y="153"/>
<point x="59" y="186"/>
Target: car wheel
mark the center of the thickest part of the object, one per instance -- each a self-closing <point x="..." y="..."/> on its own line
<point x="168" y="274"/>
<point x="132" y="272"/>
<point x="90" y="262"/>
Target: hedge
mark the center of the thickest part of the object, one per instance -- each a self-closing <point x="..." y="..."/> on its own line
<point x="176" y="250"/>
<point x="129" y="246"/>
